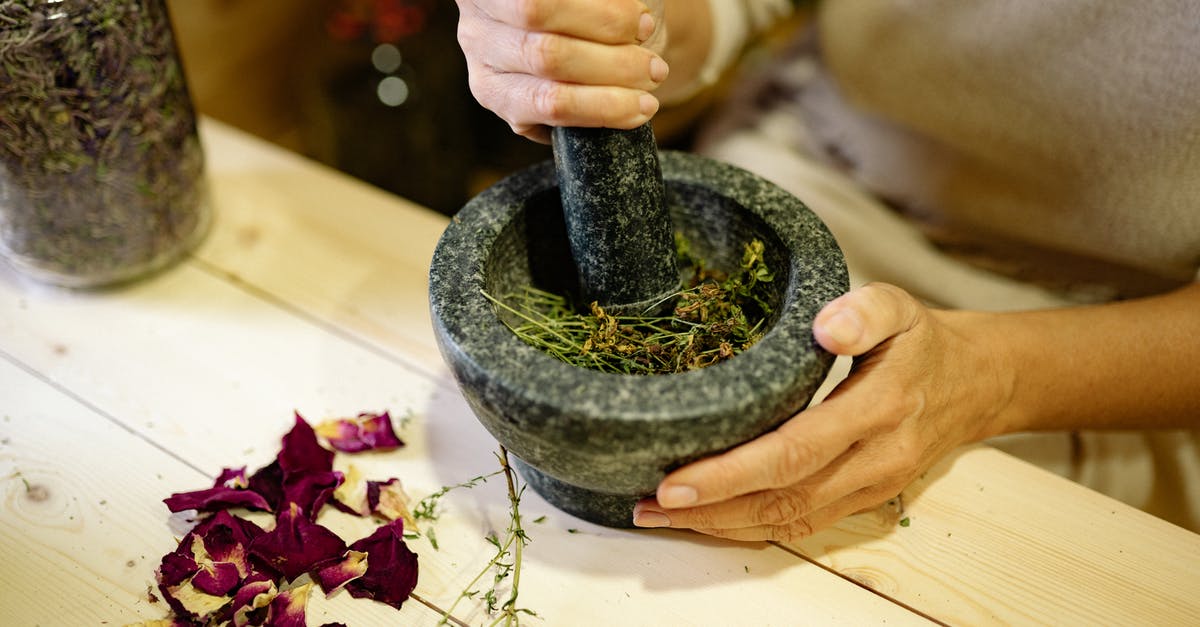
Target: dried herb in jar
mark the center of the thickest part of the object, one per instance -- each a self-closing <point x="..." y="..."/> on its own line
<point x="100" y="165"/>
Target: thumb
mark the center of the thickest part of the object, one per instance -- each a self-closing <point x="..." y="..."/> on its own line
<point x="861" y="319"/>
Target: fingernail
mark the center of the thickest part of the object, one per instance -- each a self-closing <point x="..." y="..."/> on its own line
<point x="658" y="70"/>
<point x="845" y="327"/>
<point x="677" y="496"/>
<point x="651" y="519"/>
<point x="645" y="27"/>
<point x="648" y="105"/>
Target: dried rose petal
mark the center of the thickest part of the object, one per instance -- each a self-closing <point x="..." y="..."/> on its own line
<point x="301" y="451"/>
<point x="297" y="545"/>
<point x="222" y="542"/>
<point x="268" y="481"/>
<point x="365" y="432"/>
<point x="310" y="489"/>
<point x="176" y="567"/>
<point x="389" y="500"/>
<point x="287" y="608"/>
<point x="251" y="597"/>
<point x="191" y="602"/>
<point x="242" y="530"/>
<point x="232" y="478"/>
<point x="212" y="499"/>
<point x="216" y="578"/>
<point x="338" y="574"/>
<point x="231" y="489"/>
<point x="391" y="572"/>
<point x="351" y="496"/>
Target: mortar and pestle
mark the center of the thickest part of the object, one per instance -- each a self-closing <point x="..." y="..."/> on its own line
<point x="598" y="222"/>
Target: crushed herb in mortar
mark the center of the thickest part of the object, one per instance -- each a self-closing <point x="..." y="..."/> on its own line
<point x="100" y="165"/>
<point x="716" y="316"/>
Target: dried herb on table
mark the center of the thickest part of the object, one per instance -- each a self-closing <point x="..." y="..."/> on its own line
<point x="100" y="165"/>
<point x="715" y="317"/>
<point x="505" y="565"/>
<point x="228" y="570"/>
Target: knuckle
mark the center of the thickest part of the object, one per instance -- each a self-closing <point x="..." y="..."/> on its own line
<point x="900" y="403"/>
<point x="550" y="102"/>
<point x="796" y="460"/>
<point x="700" y="518"/>
<point x="533" y="13"/>
<point x="542" y="54"/>
<point x="779" y="508"/>
<point x="467" y="33"/>
<point x="796" y="530"/>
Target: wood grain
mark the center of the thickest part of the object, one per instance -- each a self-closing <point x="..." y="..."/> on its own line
<point x="83" y="527"/>
<point x="994" y="540"/>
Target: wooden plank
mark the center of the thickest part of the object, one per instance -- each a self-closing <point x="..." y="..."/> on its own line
<point x="211" y="372"/>
<point x="83" y="525"/>
<point x="993" y="540"/>
<point x="330" y="245"/>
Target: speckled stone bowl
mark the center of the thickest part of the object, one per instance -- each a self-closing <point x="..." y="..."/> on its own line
<point x="593" y="443"/>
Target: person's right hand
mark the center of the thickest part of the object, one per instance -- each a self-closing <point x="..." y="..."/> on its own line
<point x="543" y="63"/>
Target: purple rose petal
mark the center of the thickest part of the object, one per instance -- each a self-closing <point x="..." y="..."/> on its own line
<point x="287" y="608"/>
<point x="366" y="432"/>
<point x="301" y="451"/>
<point x="212" y="499"/>
<point x="389" y="500"/>
<point x="352" y="496"/>
<point x="216" y="578"/>
<point x="232" y="478"/>
<point x="176" y="567"/>
<point x="231" y="489"/>
<point x="391" y="572"/>
<point x="310" y="489"/>
<point x="248" y="607"/>
<point x="297" y="545"/>
<point x="242" y="530"/>
<point x="338" y="574"/>
<point x="268" y="481"/>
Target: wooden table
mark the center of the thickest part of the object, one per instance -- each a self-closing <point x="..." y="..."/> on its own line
<point x="310" y="295"/>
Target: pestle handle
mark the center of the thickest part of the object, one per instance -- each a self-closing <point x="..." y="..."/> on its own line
<point x="614" y="205"/>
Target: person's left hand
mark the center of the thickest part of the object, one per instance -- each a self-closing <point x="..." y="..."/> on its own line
<point x="919" y="387"/>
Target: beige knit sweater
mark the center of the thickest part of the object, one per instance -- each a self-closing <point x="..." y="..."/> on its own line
<point x="1055" y="139"/>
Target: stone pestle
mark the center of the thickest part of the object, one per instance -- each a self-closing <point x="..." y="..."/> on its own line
<point x="618" y="225"/>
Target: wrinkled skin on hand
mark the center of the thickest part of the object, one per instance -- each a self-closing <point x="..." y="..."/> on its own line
<point x="543" y="63"/>
<point x="917" y="389"/>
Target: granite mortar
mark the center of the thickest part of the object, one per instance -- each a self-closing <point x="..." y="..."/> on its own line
<point x="594" y="443"/>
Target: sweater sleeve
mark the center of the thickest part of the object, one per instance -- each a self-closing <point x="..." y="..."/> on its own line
<point x="734" y="22"/>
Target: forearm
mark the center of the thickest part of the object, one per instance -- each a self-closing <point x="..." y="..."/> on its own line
<point x="1127" y="365"/>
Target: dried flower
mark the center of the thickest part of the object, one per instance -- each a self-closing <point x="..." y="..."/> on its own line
<point x="365" y="432"/>
<point x="297" y="545"/>
<point x="228" y="570"/>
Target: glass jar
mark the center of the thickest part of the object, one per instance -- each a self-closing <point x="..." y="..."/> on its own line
<point x="101" y="170"/>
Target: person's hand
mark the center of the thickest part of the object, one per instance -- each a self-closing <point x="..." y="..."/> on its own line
<point x="918" y="388"/>
<point x="542" y="63"/>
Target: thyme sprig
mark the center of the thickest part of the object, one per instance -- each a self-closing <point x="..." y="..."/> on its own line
<point x="505" y="564"/>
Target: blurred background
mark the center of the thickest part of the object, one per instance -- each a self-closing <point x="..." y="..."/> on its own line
<point x="375" y="88"/>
